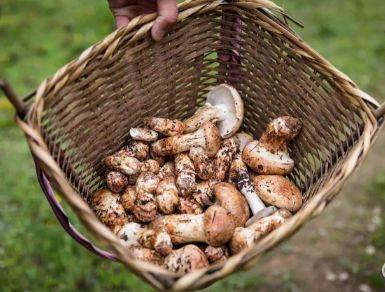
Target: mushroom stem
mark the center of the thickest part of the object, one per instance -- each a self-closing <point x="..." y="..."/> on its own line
<point x="202" y="163"/>
<point x="186" y="259"/>
<point x="133" y="234"/>
<point x="143" y="134"/>
<point x="145" y="254"/>
<point x="269" y="155"/>
<point x="224" y="106"/>
<point x="214" y="227"/>
<point x="279" y="132"/>
<point x="166" y="127"/>
<point x="240" y="175"/>
<point x="137" y="149"/>
<point x="223" y="158"/>
<point x="207" y="137"/>
<point x="204" y="193"/>
<point x="167" y="195"/>
<point x="245" y="237"/>
<point x="185" y="174"/>
<point x="147" y="182"/>
<point x="202" y="115"/>
<point x="188" y="205"/>
<point x="128" y="165"/>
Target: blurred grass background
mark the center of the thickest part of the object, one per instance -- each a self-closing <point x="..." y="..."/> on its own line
<point x="38" y="37"/>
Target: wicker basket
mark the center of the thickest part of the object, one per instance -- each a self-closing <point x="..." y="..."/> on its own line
<point x="83" y="112"/>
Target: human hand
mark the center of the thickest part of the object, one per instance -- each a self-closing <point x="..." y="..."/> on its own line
<point x="125" y="10"/>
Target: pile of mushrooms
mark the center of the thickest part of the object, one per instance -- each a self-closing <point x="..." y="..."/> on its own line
<point x="187" y="194"/>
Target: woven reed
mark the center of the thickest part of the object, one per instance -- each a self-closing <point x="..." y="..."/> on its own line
<point x="83" y="113"/>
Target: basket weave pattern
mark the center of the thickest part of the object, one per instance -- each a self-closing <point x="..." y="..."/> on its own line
<point x="82" y="114"/>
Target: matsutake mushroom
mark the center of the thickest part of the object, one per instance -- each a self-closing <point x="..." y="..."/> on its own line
<point x="108" y="208"/>
<point x="185" y="174"/>
<point x="186" y="259"/>
<point x="245" y="237"/>
<point x="224" y="106"/>
<point x="216" y="254"/>
<point x="129" y="165"/>
<point x="116" y="181"/>
<point x="240" y="176"/>
<point x="128" y="198"/>
<point x="278" y="191"/>
<point x="145" y="254"/>
<point x="202" y="163"/>
<point x="147" y="182"/>
<point x="137" y="149"/>
<point x="223" y="159"/>
<point x="164" y="126"/>
<point x="145" y="208"/>
<point x="204" y="193"/>
<point x="270" y="155"/>
<point x="215" y="226"/>
<point x="143" y="134"/>
<point x="207" y="137"/>
<point x="133" y="234"/>
<point x="166" y="192"/>
<point x="233" y="201"/>
<point x="188" y="205"/>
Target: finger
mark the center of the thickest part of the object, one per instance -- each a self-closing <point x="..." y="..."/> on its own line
<point x="124" y="14"/>
<point x="167" y="15"/>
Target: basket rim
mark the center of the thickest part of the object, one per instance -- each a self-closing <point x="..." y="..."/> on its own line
<point x="136" y="29"/>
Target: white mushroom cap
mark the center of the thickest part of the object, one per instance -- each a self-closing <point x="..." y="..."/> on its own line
<point x="278" y="191"/>
<point x="230" y="108"/>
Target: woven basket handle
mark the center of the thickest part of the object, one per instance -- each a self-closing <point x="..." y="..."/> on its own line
<point x="380" y="112"/>
<point x="20" y="107"/>
<point x="21" y="110"/>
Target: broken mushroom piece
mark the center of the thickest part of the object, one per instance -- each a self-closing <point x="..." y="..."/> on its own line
<point x="164" y="126"/>
<point x="216" y="254"/>
<point x="233" y="201"/>
<point x="223" y="105"/>
<point x="245" y="237"/>
<point x="132" y="234"/>
<point x="202" y="163"/>
<point x="223" y="159"/>
<point x="116" y="181"/>
<point x="186" y="259"/>
<point x="185" y="174"/>
<point x="108" y="208"/>
<point x="143" y="134"/>
<point x="278" y="191"/>
<point x="145" y="209"/>
<point x="207" y="137"/>
<point x="270" y="155"/>
<point x="215" y="227"/>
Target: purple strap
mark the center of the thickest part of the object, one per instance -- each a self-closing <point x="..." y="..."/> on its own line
<point x="63" y="218"/>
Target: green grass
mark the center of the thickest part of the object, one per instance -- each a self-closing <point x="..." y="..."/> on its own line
<point x="38" y="37"/>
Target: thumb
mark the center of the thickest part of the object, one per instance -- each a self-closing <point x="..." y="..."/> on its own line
<point x="167" y="15"/>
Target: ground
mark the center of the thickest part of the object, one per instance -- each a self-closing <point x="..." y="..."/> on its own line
<point x="341" y="250"/>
